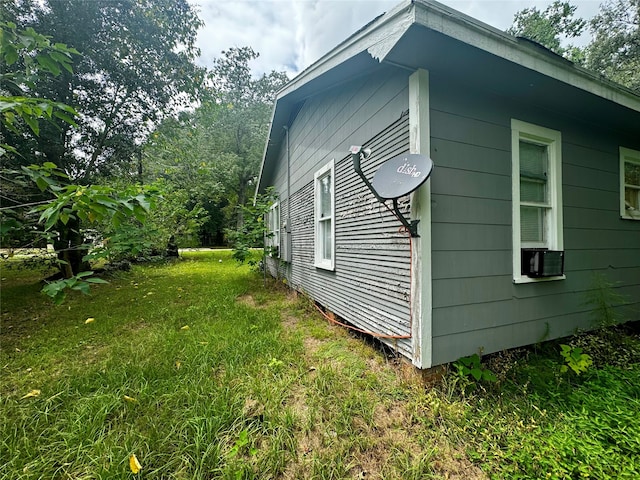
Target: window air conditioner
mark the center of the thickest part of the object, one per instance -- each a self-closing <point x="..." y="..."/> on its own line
<point x="540" y="262"/>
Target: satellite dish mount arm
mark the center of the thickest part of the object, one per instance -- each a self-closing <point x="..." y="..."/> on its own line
<point x="357" y="155"/>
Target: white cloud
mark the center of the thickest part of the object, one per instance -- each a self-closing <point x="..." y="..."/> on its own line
<point x="292" y="34"/>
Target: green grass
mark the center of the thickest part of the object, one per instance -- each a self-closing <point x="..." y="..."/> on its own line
<point x="259" y="386"/>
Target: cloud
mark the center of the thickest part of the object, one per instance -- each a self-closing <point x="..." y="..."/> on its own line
<point x="292" y="34"/>
<point x="289" y="34"/>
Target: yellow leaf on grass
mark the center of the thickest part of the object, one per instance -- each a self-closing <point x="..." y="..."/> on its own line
<point x="32" y="393"/>
<point x="134" y="464"/>
<point x="186" y="327"/>
<point x="178" y="364"/>
<point x="129" y="399"/>
<point x="89" y="320"/>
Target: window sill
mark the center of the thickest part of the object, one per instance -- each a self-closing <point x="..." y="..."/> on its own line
<point x="325" y="266"/>
<point x="525" y="279"/>
<point x="627" y="217"/>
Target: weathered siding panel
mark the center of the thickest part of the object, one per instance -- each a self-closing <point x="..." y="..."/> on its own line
<point x="370" y="285"/>
<point x="476" y="305"/>
<point x="329" y="123"/>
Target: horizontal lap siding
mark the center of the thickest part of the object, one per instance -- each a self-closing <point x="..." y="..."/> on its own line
<point x="476" y="305"/>
<point x="329" y="123"/>
<point x="370" y="285"/>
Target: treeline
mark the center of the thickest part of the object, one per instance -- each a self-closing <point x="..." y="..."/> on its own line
<point x="108" y="93"/>
<point x="614" y="46"/>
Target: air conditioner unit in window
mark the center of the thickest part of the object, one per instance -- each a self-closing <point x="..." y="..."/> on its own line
<point x="540" y="262"/>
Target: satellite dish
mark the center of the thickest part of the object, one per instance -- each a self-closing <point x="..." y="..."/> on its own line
<point x="401" y="175"/>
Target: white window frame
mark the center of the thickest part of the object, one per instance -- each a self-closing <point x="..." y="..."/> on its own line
<point x="628" y="156"/>
<point x="272" y="221"/>
<point x="552" y="139"/>
<point x="319" y="261"/>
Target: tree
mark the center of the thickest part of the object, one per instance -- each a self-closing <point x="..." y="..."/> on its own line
<point x="37" y="58"/>
<point x="180" y="154"/>
<point x="615" y="49"/>
<point x="241" y="125"/>
<point x="136" y="63"/>
<point x="32" y="57"/>
<point x="137" y="59"/>
<point x="214" y="153"/>
<point x="72" y="203"/>
<point x="93" y="204"/>
<point x="550" y="27"/>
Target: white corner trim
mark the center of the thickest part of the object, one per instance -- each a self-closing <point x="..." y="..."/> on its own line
<point x="421" y="274"/>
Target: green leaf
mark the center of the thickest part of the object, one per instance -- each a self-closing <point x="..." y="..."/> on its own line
<point x="139" y="213"/>
<point x="33" y="124"/>
<point x="142" y="200"/>
<point x="64" y="217"/>
<point x="51" y="221"/>
<point x="83" y="287"/>
<point x="66" y="108"/>
<point x="88" y="273"/>
<point x="48" y="64"/>
<point x="489" y="376"/>
<point x="42" y="183"/>
<point x="65" y="117"/>
<point x="10" y="55"/>
<point x="95" y="280"/>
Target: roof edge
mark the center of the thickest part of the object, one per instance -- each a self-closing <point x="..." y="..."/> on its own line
<point x="378" y="37"/>
<point x="440" y="18"/>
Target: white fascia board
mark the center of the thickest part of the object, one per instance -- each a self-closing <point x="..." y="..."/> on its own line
<point x="454" y="24"/>
<point x="378" y="38"/>
<point x="264" y="155"/>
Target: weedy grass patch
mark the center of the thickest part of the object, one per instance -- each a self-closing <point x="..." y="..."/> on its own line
<point x="197" y="369"/>
<point x="543" y="423"/>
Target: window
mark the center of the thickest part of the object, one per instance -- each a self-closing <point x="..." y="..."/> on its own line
<point x="324" y="201"/>
<point x="272" y="240"/>
<point x="629" y="183"/>
<point x="536" y="191"/>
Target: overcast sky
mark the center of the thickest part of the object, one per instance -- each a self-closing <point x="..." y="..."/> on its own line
<point x="292" y="34"/>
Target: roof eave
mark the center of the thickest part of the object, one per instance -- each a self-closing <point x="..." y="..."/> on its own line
<point x="378" y="38"/>
<point x="381" y="35"/>
<point x="442" y="19"/>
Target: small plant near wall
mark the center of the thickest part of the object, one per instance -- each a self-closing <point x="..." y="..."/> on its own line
<point x="254" y="229"/>
<point x="471" y="369"/>
<point x="602" y="298"/>
<point x="574" y="359"/>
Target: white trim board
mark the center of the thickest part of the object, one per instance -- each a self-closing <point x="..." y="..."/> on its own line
<point x="421" y="275"/>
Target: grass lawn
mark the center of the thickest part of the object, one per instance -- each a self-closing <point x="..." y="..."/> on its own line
<point x="201" y="372"/>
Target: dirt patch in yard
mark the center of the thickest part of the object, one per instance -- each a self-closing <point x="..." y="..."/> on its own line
<point x="377" y="446"/>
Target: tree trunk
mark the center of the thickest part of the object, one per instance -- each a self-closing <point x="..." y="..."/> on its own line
<point x="242" y="197"/>
<point x="70" y="248"/>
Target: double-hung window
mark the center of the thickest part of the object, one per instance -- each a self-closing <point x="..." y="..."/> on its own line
<point x="324" y="217"/>
<point x="272" y="241"/>
<point x="536" y="191"/>
<point x="629" y="183"/>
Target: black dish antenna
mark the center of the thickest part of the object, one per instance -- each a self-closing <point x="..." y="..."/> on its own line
<point x="395" y="178"/>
